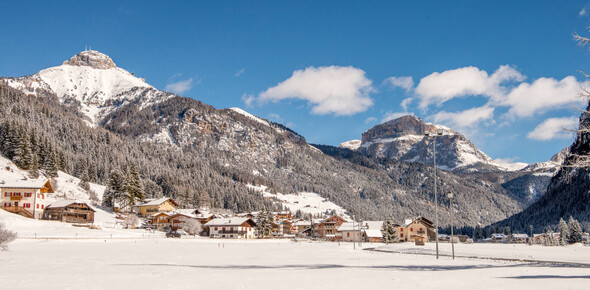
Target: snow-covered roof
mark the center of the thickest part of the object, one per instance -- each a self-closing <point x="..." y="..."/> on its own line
<point x="373" y="225"/>
<point x="303" y="223"/>
<point x="348" y="227"/>
<point x="64" y="203"/>
<point x="20" y="183"/>
<point x="234" y="221"/>
<point x="158" y="201"/>
<point x="373" y="233"/>
<point x="522" y="236"/>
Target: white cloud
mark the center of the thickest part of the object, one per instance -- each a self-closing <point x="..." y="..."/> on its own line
<point x="542" y="95"/>
<point x="239" y="72"/>
<point x="406" y="102"/>
<point x="370" y="120"/>
<point x="331" y="90"/>
<point x="438" y="88"/>
<point x="406" y="83"/>
<point x="583" y="12"/>
<point x="465" y="119"/>
<point x="248" y="99"/>
<point x="553" y="128"/>
<point x="394" y="115"/>
<point x="179" y="87"/>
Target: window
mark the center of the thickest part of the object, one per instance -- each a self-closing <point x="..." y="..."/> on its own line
<point x="412" y="229"/>
<point x="420" y="229"/>
<point x="348" y="234"/>
<point x="38" y="195"/>
<point x="215" y="228"/>
<point x="27" y="194"/>
<point x="42" y="206"/>
<point x="37" y="205"/>
<point x="401" y="235"/>
<point x="6" y="194"/>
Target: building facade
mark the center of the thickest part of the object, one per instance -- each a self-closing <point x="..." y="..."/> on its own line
<point x="25" y="197"/>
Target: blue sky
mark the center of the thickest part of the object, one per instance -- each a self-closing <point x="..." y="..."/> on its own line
<point x="504" y="73"/>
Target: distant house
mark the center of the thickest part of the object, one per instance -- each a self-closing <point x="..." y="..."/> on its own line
<point x="164" y="204"/>
<point x="498" y="238"/>
<point x="159" y="220"/>
<point x="233" y="228"/>
<point x="417" y="228"/>
<point x="328" y="227"/>
<point x="371" y="231"/>
<point x="518" y="238"/>
<point x="349" y="232"/>
<point x="25" y="197"/>
<point x="70" y="211"/>
<point x="283" y="215"/>
<point x="203" y="215"/>
<point x="368" y="231"/>
<point x="301" y="226"/>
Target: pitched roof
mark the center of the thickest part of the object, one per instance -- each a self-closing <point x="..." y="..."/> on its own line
<point x="234" y="221"/>
<point x="373" y="233"/>
<point x="64" y="203"/>
<point x="21" y="183"/>
<point x="159" y="201"/>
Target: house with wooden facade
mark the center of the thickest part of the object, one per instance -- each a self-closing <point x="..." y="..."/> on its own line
<point x="25" y="197"/>
<point x="419" y="228"/>
<point x="232" y="228"/>
<point x="328" y="227"/>
<point x="164" y="204"/>
<point x="69" y="211"/>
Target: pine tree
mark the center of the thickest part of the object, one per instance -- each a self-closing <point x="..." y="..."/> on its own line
<point x="34" y="169"/>
<point x="133" y="185"/>
<point x="264" y="225"/>
<point x="563" y="232"/>
<point x="115" y="192"/>
<point x="389" y="232"/>
<point x="575" y="231"/>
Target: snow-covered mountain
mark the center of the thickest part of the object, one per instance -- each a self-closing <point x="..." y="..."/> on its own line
<point x="91" y="82"/>
<point x="196" y="153"/>
<point x="352" y="144"/>
<point x="403" y="139"/>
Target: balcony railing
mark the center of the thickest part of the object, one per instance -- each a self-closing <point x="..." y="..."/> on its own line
<point x="16" y="197"/>
<point x="232" y="232"/>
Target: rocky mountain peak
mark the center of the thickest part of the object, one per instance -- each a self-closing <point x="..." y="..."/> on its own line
<point x="402" y="126"/>
<point x="91" y="58"/>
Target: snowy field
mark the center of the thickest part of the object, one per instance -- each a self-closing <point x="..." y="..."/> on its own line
<point x="67" y="257"/>
<point x="269" y="264"/>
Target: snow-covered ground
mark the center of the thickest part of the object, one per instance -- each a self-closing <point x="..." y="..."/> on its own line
<point x="307" y="202"/>
<point x="263" y="264"/>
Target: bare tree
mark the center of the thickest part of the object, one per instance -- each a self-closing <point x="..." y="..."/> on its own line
<point x="191" y="226"/>
<point x="131" y="220"/>
<point x="6" y="237"/>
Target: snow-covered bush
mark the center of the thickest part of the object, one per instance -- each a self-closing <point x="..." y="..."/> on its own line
<point x="6" y="237"/>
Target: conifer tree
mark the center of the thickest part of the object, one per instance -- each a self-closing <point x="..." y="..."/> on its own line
<point x="575" y="231"/>
<point x="563" y="232"/>
<point x="34" y="169"/>
<point x="389" y="232"/>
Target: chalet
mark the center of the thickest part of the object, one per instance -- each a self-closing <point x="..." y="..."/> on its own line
<point x="499" y="238"/>
<point x="328" y="227"/>
<point x="164" y="204"/>
<point x="233" y="228"/>
<point x="518" y="238"/>
<point x="69" y="211"/>
<point x="283" y="215"/>
<point x="371" y="231"/>
<point x="301" y="226"/>
<point x="25" y="197"/>
<point x="289" y="227"/>
<point x="418" y="228"/>
<point x="176" y="220"/>
<point x="158" y="220"/>
<point x="203" y="215"/>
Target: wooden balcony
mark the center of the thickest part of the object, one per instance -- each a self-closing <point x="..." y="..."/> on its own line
<point x="16" y="198"/>
<point x="18" y="210"/>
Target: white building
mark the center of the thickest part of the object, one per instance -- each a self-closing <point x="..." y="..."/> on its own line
<point x="233" y="228"/>
<point x="25" y="197"/>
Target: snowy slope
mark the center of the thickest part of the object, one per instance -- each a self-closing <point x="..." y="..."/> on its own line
<point x="351" y="144"/>
<point x="307" y="202"/>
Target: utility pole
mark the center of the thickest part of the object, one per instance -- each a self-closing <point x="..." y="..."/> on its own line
<point x="438" y="133"/>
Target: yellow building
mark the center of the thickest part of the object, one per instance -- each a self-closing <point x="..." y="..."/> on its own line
<point x="164" y="204"/>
